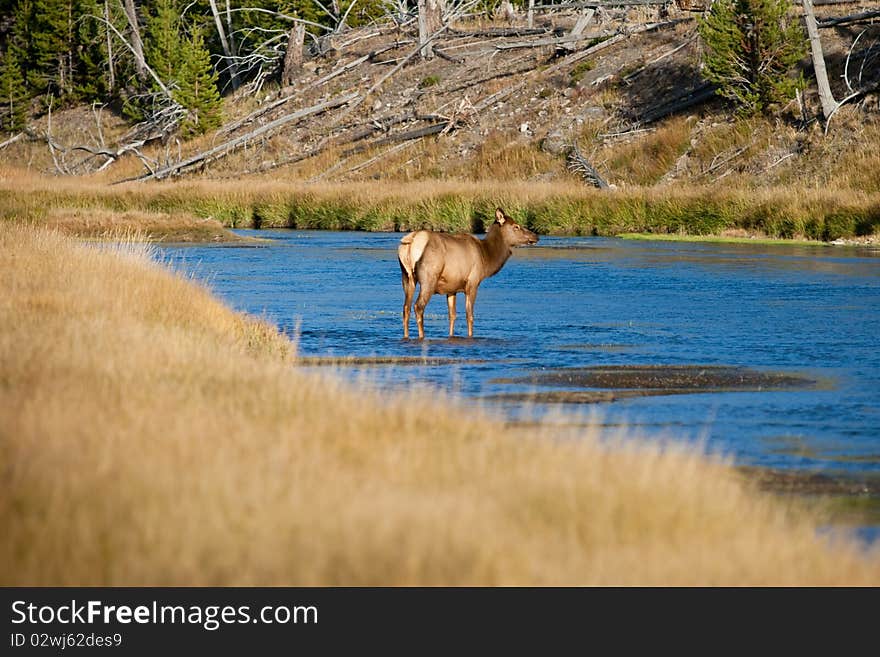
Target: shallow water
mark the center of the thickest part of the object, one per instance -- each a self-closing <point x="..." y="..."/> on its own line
<point x="807" y="312"/>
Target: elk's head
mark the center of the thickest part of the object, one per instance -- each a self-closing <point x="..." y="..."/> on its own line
<point x="512" y="232"/>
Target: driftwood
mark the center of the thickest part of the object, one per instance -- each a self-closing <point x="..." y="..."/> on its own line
<point x="848" y="20"/>
<point x="225" y="148"/>
<point x="577" y="163"/>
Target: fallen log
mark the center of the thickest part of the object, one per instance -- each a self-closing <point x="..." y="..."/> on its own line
<point x="649" y="27"/>
<point x="418" y="133"/>
<point x="495" y="76"/>
<point x="695" y="96"/>
<point x="449" y="58"/>
<point x="498" y="96"/>
<point x="602" y="5"/>
<point x="225" y="148"/>
<point x="389" y="122"/>
<point x="376" y="158"/>
<point x="580" y="25"/>
<point x="499" y="32"/>
<point x="632" y="76"/>
<point x="250" y="118"/>
<point x="12" y="140"/>
<point x="848" y="20"/>
<point x="393" y="71"/>
<point x="556" y="41"/>
<point x="578" y="164"/>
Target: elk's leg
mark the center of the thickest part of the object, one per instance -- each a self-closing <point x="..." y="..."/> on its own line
<point x="426" y="291"/>
<point x="409" y="288"/>
<point x="470" y="297"/>
<point x="450" y="303"/>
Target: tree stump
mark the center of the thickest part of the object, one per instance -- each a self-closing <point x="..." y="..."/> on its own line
<point x="430" y="20"/>
<point x="293" y="58"/>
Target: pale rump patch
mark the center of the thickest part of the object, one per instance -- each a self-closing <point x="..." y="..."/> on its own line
<point x="411" y="248"/>
<point x="453" y="264"/>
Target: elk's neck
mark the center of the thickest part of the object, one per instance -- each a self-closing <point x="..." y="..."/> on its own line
<point x="495" y="252"/>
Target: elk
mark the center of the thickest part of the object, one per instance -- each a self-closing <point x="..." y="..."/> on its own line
<point x="442" y="263"/>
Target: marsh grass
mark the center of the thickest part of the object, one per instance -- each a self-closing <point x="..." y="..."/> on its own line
<point x="560" y="208"/>
<point x="151" y="436"/>
<point x="720" y="239"/>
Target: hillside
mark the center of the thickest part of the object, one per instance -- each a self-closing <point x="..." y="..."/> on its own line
<point x="501" y="101"/>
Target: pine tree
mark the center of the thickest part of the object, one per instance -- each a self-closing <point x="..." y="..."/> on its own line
<point x="197" y="88"/>
<point x="20" y="44"/>
<point x="51" y="27"/>
<point x="163" y="45"/>
<point x="91" y="81"/>
<point x="753" y="47"/>
<point x="13" y="94"/>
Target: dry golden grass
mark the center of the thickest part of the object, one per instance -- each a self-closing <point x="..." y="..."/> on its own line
<point x="149" y="435"/>
<point x="646" y="160"/>
<point x="99" y="223"/>
<point x="505" y="156"/>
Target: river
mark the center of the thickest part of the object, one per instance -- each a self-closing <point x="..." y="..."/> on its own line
<point x="766" y="354"/>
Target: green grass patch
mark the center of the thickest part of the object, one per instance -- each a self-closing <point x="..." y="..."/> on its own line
<point x="720" y="239"/>
<point x="579" y="70"/>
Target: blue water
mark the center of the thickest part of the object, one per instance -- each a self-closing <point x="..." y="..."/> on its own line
<point x="574" y="302"/>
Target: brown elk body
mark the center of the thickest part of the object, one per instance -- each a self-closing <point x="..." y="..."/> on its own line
<point x="442" y="263"/>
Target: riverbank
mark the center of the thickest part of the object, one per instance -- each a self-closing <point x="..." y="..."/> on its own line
<point x="172" y="442"/>
<point x="204" y="209"/>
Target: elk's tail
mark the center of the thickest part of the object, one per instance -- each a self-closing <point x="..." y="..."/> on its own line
<point x="410" y="251"/>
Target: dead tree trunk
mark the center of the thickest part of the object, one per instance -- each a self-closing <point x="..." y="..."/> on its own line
<point x="226" y="44"/>
<point x="137" y="45"/>
<point x="293" y="58"/>
<point x="111" y="71"/>
<point x="582" y="21"/>
<point x="826" y="98"/>
<point x="430" y="20"/>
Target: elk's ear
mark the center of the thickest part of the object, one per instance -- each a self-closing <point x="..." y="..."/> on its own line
<point x="500" y="217"/>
